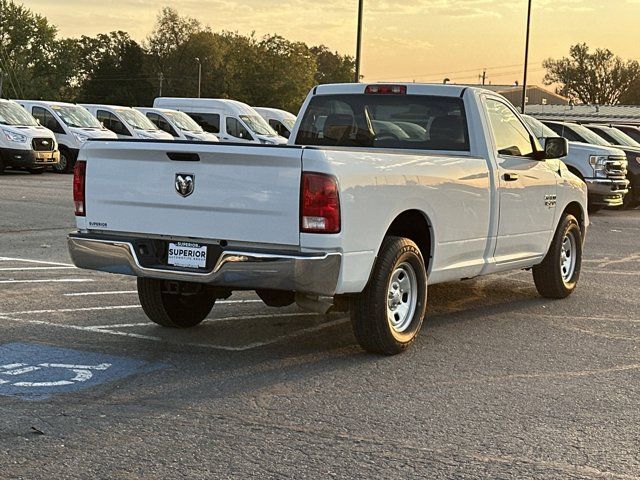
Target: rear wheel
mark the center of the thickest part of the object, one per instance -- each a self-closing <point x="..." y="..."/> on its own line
<point x="2" y="165"/>
<point x="174" y="304"/>
<point x="387" y="316"/>
<point x="558" y="274"/>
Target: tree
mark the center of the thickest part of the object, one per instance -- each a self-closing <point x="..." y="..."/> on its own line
<point x="27" y="52"/>
<point x="332" y="67"/>
<point x="593" y="78"/>
<point x="631" y="96"/>
<point x="114" y="71"/>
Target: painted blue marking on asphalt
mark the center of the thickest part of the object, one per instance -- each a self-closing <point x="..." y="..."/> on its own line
<point x="35" y="372"/>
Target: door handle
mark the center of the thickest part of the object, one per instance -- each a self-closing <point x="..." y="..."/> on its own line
<point x="510" y="177"/>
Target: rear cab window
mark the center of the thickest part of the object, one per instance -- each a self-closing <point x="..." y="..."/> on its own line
<point x="420" y="122"/>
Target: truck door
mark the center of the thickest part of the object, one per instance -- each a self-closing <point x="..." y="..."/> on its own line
<point x="527" y="187"/>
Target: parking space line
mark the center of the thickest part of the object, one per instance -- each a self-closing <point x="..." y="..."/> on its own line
<point x="90" y="294"/>
<point x="209" y="320"/>
<point x="28" y="269"/>
<point x="610" y="272"/>
<point x="69" y="310"/>
<point x="41" y="262"/>
<point x="241" y="348"/>
<point x="50" y="280"/>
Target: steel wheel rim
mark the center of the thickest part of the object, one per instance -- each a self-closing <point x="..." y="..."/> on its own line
<point x="568" y="257"/>
<point x="402" y="297"/>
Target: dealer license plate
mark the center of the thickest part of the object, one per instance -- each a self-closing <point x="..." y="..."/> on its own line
<point x="188" y="255"/>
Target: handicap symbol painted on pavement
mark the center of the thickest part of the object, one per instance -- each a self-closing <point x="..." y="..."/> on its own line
<point x="35" y="372"/>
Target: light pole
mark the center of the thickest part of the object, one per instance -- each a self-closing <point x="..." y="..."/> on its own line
<point x="359" y="40"/>
<point x="526" y="59"/>
<point x="199" y="76"/>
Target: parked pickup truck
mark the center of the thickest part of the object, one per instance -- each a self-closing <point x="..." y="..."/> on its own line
<point x="343" y="217"/>
<point x="602" y="168"/>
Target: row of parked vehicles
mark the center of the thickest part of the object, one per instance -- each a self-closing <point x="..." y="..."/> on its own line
<point x="605" y="157"/>
<point x="38" y="134"/>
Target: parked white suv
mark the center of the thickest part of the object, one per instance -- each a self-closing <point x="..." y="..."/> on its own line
<point x="343" y="217"/>
<point x="23" y="142"/>
<point x="72" y="125"/>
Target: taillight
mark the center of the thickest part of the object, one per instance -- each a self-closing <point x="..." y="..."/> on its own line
<point x="386" y="89"/>
<point x="319" y="204"/>
<point x="79" y="173"/>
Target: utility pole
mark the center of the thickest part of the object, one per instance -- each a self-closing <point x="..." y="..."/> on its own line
<point x="359" y="40"/>
<point x="161" y="80"/>
<point x="484" y="76"/>
<point x="526" y="60"/>
<point x="199" y="76"/>
<point x="1" y="81"/>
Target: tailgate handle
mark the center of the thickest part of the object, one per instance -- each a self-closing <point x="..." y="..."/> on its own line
<point x="183" y="157"/>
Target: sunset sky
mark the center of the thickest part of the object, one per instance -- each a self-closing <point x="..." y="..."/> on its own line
<point x="422" y="40"/>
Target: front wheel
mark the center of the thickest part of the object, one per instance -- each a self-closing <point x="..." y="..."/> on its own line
<point x="558" y="274"/>
<point x="65" y="165"/>
<point x="387" y="316"/>
<point x="176" y="304"/>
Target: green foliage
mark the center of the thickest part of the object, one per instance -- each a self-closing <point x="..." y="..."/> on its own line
<point x="113" y="68"/>
<point x="593" y="78"/>
<point x="27" y="52"/>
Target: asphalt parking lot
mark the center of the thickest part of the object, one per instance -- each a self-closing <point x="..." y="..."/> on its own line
<point x="500" y="384"/>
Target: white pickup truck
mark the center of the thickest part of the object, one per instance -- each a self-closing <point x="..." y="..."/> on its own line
<point x="380" y="188"/>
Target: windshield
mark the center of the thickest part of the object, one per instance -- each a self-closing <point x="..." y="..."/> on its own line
<point x="622" y="138"/>
<point x="589" y="136"/>
<point x="538" y="128"/>
<point x="258" y="125"/>
<point x="136" y="119"/>
<point x="183" y="122"/>
<point x="13" y="114"/>
<point x="76" y="116"/>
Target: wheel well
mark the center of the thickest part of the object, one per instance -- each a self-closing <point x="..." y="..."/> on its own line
<point x="413" y="224"/>
<point x="575" y="209"/>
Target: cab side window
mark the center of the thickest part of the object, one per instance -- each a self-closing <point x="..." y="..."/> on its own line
<point x="47" y="120"/>
<point x="112" y="122"/>
<point x="510" y="135"/>
<point x="236" y="129"/>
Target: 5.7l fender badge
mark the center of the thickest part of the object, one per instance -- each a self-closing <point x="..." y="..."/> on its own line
<point x="185" y="183"/>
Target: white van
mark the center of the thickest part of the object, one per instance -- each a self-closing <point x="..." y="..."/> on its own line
<point x="23" y="142"/>
<point x="72" y="125"/>
<point x="230" y="120"/>
<point x="280" y="120"/>
<point x="127" y="122"/>
<point x="178" y="124"/>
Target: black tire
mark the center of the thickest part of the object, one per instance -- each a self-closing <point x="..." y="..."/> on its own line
<point x="594" y="208"/>
<point x="36" y="171"/>
<point x="548" y="276"/>
<point x="2" y="165"/>
<point x="628" y="202"/>
<point x="372" y="326"/>
<point x="65" y="165"/>
<point x="175" y="310"/>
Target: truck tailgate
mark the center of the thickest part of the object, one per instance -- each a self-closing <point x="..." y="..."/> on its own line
<point x="241" y="193"/>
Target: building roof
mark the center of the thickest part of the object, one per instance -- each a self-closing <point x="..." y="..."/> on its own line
<point x="587" y="113"/>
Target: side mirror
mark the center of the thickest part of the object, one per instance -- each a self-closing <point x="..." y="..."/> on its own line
<point x="556" y="147"/>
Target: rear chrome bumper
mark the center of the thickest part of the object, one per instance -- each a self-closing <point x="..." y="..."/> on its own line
<point x="314" y="273"/>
